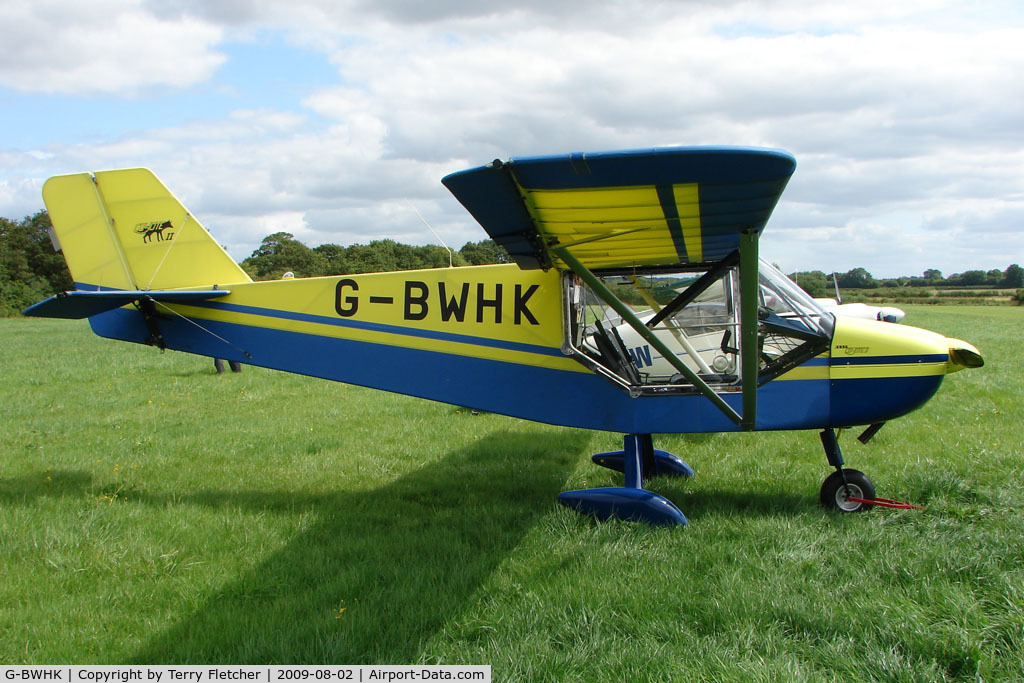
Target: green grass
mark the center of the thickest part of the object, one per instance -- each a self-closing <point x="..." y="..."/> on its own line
<point x="152" y="511"/>
<point x="948" y="296"/>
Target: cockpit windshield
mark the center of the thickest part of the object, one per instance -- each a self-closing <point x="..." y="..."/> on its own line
<point x="782" y="296"/>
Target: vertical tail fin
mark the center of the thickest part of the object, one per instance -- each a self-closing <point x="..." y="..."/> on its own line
<point x="124" y="230"/>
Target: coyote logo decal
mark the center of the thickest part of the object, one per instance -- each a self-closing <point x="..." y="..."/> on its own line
<point x="148" y="230"/>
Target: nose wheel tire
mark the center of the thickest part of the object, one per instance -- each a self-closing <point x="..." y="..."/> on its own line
<point x="836" y="496"/>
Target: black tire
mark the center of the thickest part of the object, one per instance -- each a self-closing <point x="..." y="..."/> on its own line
<point x="833" y="494"/>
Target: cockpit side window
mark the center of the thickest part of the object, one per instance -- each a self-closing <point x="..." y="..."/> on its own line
<point x="701" y="333"/>
<point x="694" y="315"/>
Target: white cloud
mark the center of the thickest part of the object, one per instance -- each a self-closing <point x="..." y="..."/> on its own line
<point x="904" y="117"/>
<point x="101" y="47"/>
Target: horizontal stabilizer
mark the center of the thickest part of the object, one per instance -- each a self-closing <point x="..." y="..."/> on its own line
<point x="83" y="304"/>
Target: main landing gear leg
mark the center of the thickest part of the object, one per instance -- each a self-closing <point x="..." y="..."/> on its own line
<point x="844" y="484"/>
<point x="637" y="460"/>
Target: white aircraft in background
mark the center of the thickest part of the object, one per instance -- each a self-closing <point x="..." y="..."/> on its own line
<point x="889" y="314"/>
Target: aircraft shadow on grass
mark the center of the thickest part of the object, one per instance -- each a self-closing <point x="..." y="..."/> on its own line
<point x="401" y="560"/>
<point x="30" y="487"/>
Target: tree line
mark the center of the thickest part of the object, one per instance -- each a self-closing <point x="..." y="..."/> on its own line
<point x="30" y="270"/>
<point x="281" y="252"/>
<point x="820" y="284"/>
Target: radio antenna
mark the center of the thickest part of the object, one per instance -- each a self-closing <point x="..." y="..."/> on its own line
<point x="451" y="253"/>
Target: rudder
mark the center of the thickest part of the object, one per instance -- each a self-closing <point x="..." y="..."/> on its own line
<point x="124" y="229"/>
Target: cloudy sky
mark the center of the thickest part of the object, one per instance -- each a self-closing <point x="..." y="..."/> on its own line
<point x="336" y="119"/>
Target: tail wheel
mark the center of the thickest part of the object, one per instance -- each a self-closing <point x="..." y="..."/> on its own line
<point x="834" y="494"/>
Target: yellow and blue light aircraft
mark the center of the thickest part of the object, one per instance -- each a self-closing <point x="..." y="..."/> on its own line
<point x="636" y="304"/>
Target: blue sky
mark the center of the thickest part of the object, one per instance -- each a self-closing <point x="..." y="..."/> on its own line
<point x="255" y="73"/>
<point x="328" y="119"/>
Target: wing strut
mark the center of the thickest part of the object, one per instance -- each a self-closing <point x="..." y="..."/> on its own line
<point x="606" y="295"/>
<point x="749" y="342"/>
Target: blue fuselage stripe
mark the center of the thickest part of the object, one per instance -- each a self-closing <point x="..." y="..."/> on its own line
<point x="381" y="327"/>
<point x="554" y="396"/>
<point x="891" y="360"/>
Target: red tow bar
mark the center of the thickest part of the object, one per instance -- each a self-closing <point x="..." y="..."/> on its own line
<point x="886" y="503"/>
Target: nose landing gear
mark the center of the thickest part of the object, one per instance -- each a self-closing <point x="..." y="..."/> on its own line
<point x="850" y="490"/>
<point x="844" y="490"/>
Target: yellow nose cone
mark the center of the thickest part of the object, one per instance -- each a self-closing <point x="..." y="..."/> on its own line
<point x="859" y="345"/>
<point x="962" y="355"/>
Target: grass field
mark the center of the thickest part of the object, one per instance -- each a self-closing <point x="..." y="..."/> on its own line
<point x="154" y="512"/>
<point x="946" y="296"/>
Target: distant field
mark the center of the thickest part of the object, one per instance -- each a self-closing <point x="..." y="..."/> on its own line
<point x="154" y="512"/>
<point x="949" y="296"/>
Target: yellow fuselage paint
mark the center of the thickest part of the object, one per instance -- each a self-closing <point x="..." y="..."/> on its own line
<point x="493" y="312"/>
<point x="900" y="350"/>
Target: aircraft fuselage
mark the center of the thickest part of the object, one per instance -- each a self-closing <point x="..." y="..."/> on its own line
<point x="494" y="338"/>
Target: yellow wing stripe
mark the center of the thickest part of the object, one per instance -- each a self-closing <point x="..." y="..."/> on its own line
<point x="634" y="226"/>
